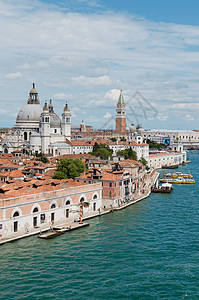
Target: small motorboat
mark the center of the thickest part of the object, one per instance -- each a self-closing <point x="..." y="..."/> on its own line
<point x="51" y="234"/>
<point x="165" y="188"/>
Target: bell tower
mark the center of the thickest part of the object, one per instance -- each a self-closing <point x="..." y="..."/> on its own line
<point x="45" y="129"/>
<point x="66" y="122"/>
<point x="120" y="124"/>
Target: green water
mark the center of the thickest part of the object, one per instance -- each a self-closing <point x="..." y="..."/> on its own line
<point x="147" y="251"/>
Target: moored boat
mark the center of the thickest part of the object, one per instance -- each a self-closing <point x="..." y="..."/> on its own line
<point x="164" y="188"/>
<point x="178" y="174"/>
<point x="178" y="180"/>
<point x="51" y="234"/>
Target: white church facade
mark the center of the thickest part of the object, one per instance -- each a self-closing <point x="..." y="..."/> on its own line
<point x="38" y="129"/>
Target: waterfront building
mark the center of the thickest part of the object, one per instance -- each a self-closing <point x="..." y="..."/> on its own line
<point x="86" y="146"/>
<point x="161" y="159"/>
<point x="120" y="181"/>
<point x="26" y="206"/>
<point x="188" y="138"/>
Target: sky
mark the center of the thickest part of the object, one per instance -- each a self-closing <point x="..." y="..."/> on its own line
<point x="85" y="51"/>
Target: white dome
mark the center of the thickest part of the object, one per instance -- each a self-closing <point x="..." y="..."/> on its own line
<point x="30" y="112"/>
<point x="55" y="121"/>
<point x="132" y="128"/>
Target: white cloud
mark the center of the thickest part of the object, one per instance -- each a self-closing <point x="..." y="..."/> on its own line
<point x="188" y="118"/>
<point x="13" y="75"/>
<point x="112" y="94"/>
<point x="92" y="81"/>
<point x="107" y="115"/>
<point x="60" y="96"/>
<point x="84" y="55"/>
<point x="186" y="106"/>
<point x="162" y="117"/>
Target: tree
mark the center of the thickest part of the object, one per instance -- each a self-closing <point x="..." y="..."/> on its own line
<point x="155" y="145"/>
<point x="42" y="158"/>
<point x="144" y="162"/>
<point x="69" y="168"/>
<point x="102" y="150"/>
<point x="123" y="139"/>
<point x="113" y="139"/>
<point x="128" y="154"/>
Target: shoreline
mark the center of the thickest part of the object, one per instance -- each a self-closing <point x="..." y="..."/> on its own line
<point x="123" y="206"/>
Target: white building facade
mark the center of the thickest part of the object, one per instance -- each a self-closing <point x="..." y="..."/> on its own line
<point x="37" y="128"/>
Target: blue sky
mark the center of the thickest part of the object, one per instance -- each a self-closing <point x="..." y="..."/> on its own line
<point x="84" y="51"/>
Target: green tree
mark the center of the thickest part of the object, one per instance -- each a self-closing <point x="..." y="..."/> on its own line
<point x="69" y="168"/>
<point x="59" y="175"/>
<point x="102" y="150"/>
<point x="144" y="162"/>
<point x="155" y="145"/>
<point x="123" y="139"/>
<point x="42" y="157"/>
<point x="113" y="139"/>
<point x="128" y="154"/>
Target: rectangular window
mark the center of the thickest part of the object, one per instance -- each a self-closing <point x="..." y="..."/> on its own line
<point x="42" y="218"/>
<point x="15" y="226"/>
<point x="94" y="206"/>
<point x="110" y="184"/>
<point x="67" y="213"/>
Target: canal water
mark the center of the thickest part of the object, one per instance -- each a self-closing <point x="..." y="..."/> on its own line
<point x="149" y="250"/>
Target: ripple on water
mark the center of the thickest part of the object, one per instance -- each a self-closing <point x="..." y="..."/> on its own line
<point x="147" y="251"/>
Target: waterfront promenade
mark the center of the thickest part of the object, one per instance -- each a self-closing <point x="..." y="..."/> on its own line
<point x="138" y="196"/>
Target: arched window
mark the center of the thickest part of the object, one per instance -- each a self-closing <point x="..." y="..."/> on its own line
<point x="35" y="209"/>
<point x="94" y="197"/>
<point x="81" y="200"/>
<point x="67" y="202"/>
<point x="110" y="194"/>
<point x="16" y="214"/>
<point x="53" y="205"/>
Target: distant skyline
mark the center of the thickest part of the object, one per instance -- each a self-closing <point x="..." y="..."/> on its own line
<point x="85" y="51"/>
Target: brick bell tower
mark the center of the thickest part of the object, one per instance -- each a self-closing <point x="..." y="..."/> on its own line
<point x="120" y="124"/>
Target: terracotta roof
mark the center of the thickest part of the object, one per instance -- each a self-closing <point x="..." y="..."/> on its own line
<point x="130" y="163"/>
<point x="107" y="142"/>
<point x="12" y="174"/>
<point x="36" y="186"/>
<point x="73" y="156"/>
<point x="162" y="154"/>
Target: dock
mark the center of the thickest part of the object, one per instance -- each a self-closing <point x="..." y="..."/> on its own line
<point x="56" y="231"/>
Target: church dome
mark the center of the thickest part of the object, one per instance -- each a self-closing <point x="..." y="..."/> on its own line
<point x="30" y="112"/>
<point x="132" y="128"/>
<point x="55" y="121"/>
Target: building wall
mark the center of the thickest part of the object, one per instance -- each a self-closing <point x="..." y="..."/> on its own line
<point x="160" y="160"/>
<point x="25" y="206"/>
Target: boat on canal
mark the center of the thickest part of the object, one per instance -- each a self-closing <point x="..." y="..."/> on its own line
<point x="51" y="234"/>
<point x="165" y="188"/>
<point x="178" y="180"/>
<point x="178" y="174"/>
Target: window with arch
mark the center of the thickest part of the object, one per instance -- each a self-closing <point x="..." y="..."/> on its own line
<point x="16" y="214"/>
<point x="81" y="200"/>
<point x="94" y="197"/>
<point x="35" y="210"/>
<point x="67" y="202"/>
<point x="53" y="205"/>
